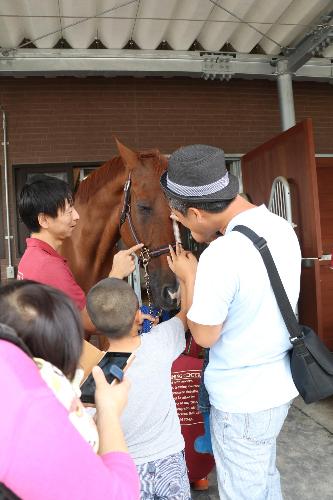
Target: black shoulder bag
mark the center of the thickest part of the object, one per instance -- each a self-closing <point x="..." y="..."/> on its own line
<point x="310" y="360"/>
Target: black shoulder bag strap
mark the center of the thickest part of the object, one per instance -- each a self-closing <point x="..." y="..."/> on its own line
<point x="294" y="329"/>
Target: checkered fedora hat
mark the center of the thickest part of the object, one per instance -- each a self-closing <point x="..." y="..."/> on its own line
<point x="198" y="173"/>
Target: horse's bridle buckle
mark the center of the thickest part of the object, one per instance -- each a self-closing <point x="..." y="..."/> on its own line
<point x="145" y="258"/>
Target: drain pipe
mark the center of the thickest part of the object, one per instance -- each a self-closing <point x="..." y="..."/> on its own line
<point x="8" y="237"/>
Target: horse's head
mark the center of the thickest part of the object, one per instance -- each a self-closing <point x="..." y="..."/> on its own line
<point x="150" y="217"/>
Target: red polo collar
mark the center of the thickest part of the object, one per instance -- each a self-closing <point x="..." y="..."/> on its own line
<point x="35" y="242"/>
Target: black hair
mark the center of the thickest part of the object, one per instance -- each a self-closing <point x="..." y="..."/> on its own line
<point x="208" y="206"/>
<point x="46" y="320"/>
<point x="112" y="305"/>
<point x="42" y="194"/>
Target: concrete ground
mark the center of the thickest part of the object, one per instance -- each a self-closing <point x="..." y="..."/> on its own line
<point x="305" y="454"/>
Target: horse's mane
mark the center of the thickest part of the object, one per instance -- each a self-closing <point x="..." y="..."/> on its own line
<point x="97" y="179"/>
<point x="111" y="170"/>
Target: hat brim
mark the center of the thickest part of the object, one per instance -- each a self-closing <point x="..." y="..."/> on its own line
<point x="228" y="193"/>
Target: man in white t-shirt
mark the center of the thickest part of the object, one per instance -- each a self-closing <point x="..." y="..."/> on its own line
<point x="233" y="311"/>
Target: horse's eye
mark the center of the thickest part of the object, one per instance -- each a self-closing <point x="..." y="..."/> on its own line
<point x="145" y="209"/>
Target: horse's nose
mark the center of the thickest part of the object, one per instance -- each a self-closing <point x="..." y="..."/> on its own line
<point x="171" y="294"/>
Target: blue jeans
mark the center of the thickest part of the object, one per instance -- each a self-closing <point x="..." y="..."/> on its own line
<point x="244" y="446"/>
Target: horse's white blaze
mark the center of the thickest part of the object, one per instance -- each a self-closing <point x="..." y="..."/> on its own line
<point x="176" y="294"/>
<point x="176" y="231"/>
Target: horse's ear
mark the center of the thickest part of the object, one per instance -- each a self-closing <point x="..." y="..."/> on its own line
<point x="129" y="157"/>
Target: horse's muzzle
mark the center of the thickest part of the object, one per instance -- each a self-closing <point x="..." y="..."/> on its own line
<point x="170" y="296"/>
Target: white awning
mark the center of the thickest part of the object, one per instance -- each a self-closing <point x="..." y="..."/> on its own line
<point x="260" y="27"/>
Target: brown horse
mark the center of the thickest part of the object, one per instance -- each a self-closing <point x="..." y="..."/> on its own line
<point x="99" y="201"/>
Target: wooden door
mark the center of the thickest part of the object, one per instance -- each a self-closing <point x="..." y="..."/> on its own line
<point x="291" y="154"/>
<point x="325" y="191"/>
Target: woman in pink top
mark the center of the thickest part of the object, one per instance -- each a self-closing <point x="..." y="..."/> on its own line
<point x="43" y="456"/>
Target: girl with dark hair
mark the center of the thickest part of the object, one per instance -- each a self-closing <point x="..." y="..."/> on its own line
<point x="44" y="456"/>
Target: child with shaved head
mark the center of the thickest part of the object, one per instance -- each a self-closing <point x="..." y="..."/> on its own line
<point x="150" y="421"/>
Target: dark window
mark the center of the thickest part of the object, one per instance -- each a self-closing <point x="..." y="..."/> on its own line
<point x="71" y="173"/>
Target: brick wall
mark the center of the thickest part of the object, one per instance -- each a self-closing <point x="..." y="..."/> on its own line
<point x="72" y="119"/>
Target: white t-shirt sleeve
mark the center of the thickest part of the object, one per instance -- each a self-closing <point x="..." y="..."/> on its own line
<point x="215" y="286"/>
<point x="171" y="336"/>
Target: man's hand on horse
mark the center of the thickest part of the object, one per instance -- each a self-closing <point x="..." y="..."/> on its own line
<point x="182" y="262"/>
<point x="123" y="262"/>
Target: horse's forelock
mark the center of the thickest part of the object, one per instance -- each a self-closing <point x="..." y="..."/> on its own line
<point x="160" y="162"/>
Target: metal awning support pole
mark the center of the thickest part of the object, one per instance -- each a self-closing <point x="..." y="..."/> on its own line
<point x="10" y="268"/>
<point x="286" y="97"/>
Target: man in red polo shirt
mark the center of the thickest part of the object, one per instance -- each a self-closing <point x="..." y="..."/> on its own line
<point x="46" y="208"/>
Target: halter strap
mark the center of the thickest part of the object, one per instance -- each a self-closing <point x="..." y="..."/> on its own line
<point x="126" y="215"/>
<point x="126" y="208"/>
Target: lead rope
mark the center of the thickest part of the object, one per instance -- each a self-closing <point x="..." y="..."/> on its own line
<point x="145" y="258"/>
